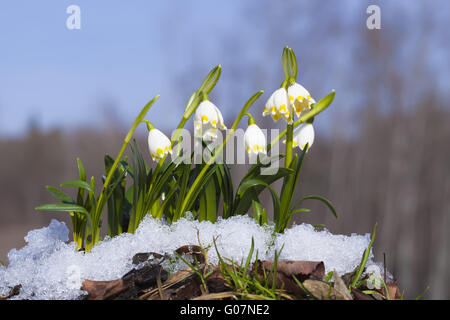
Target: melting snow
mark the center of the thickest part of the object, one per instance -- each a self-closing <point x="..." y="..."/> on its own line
<point x="49" y="267"/>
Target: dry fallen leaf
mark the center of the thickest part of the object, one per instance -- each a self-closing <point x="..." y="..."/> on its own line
<point x="340" y="286"/>
<point x="323" y="291"/>
<point x="393" y="291"/>
<point x="102" y="290"/>
<point x="359" y="295"/>
<point x="302" y="270"/>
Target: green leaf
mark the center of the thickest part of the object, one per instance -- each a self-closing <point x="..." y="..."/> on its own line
<point x="243" y="200"/>
<point x="322" y="199"/>
<point x="251" y="183"/>
<point x="317" y="108"/>
<point x="58" y="194"/>
<point x="259" y="213"/>
<point x="62" y="207"/>
<point x="364" y="259"/>
<point x="300" y="211"/>
<point x="199" y="187"/>
<point x="138" y="120"/>
<point x="77" y="184"/>
<point x="224" y="182"/>
<point x="81" y="170"/>
<point x="82" y="174"/>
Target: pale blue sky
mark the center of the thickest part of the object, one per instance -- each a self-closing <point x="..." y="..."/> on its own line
<point x="129" y="51"/>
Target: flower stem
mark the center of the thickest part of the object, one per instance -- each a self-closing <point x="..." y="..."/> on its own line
<point x="289" y="138"/>
<point x="101" y="200"/>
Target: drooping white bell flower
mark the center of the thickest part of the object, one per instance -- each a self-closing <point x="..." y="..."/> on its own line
<point x="375" y="280"/>
<point x="158" y="144"/>
<point x="303" y="134"/>
<point x="207" y="120"/>
<point x="278" y="106"/>
<point x="254" y="140"/>
<point x="300" y="98"/>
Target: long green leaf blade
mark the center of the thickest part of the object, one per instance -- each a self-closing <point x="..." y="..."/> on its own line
<point x="78" y="184"/>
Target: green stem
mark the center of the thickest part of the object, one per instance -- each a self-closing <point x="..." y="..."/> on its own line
<point x="289" y="138"/>
<point x="101" y="202"/>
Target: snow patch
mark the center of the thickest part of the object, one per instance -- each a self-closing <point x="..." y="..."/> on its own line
<point x="49" y="267"/>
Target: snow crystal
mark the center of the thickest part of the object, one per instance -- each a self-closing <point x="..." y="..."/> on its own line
<point x="49" y="267"/>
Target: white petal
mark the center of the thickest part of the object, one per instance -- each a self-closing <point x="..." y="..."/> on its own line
<point x="158" y="144"/>
<point x="280" y="100"/>
<point x="254" y="139"/>
<point x="299" y="98"/>
<point x="220" y="123"/>
<point x="304" y="134"/>
<point x="206" y="113"/>
<point x="269" y="104"/>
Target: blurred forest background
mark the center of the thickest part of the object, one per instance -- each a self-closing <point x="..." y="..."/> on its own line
<point x="382" y="150"/>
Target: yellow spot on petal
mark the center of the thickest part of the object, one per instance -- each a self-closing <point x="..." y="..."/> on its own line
<point x="214" y="122"/>
<point x="282" y="108"/>
<point x="248" y="149"/>
<point x="291" y="98"/>
<point x="273" y="110"/>
<point x="276" y="117"/>
<point x="294" y="143"/>
<point x="159" y="152"/>
<point x="300" y="98"/>
<point x="205" y="118"/>
<point x="255" y="148"/>
<point x="308" y="96"/>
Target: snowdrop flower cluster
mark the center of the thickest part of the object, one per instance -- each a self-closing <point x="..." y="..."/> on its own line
<point x="375" y="280"/>
<point x="284" y="103"/>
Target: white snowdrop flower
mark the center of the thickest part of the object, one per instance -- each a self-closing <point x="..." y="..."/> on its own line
<point x="300" y="98"/>
<point x="375" y="280"/>
<point x="207" y="120"/>
<point x="278" y="106"/>
<point x="254" y="139"/>
<point x="303" y="134"/>
<point x="158" y="144"/>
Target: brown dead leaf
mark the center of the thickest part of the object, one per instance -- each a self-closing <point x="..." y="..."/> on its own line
<point x="128" y="287"/>
<point x="192" y="250"/>
<point x="302" y="270"/>
<point x="175" y="281"/>
<point x="359" y="295"/>
<point x="216" y="282"/>
<point x="348" y="277"/>
<point x="323" y="291"/>
<point x="102" y="290"/>
<point x="12" y="292"/>
<point x="187" y="291"/>
<point x="339" y="285"/>
<point x="393" y="291"/>
<point x="145" y="256"/>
